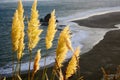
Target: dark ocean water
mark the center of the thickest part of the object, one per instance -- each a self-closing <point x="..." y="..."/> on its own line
<point x="64" y="8"/>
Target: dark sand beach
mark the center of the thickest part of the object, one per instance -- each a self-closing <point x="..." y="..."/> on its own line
<point x="101" y="21"/>
<point x="105" y="54"/>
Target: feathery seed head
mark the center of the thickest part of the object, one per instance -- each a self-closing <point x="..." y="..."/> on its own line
<point x="21" y="40"/>
<point x="33" y="27"/>
<point x="72" y="66"/>
<point x="62" y="47"/>
<point x="36" y="62"/>
<point x="16" y="30"/>
<point x="51" y="30"/>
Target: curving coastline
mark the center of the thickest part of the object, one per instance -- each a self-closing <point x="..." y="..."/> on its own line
<point x="106" y="52"/>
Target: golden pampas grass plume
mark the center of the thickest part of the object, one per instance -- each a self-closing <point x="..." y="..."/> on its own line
<point x="33" y="27"/>
<point x="36" y="61"/>
<point x="21" y="40"/>
<point x="36" y="65"/>
<point x="72" y="65"/>
<point x="51" y="30"/>
<point x="62" y="47"/>
<point x="16" y="31"/>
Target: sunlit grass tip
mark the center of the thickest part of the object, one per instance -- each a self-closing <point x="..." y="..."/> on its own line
<point x="51" y="30"/>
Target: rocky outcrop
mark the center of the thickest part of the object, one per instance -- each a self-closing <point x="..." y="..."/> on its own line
<point x="45" y="20"/>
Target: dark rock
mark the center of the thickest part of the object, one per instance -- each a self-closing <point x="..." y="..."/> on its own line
<point x="41" y="20"/>
<point x="57" y="21"/>
<point x="47" y="17"/>
<point x="45" y="20"/>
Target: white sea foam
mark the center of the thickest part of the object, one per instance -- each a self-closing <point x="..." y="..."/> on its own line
<point x="117" y="25"/>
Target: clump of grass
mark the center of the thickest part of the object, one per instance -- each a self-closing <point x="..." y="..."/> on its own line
<point x="71" y="68"/>
<point x="18" y="34"/>
<point x="64" y="44"/>
<point x="115" y="76"/>
<point x="33" y="31"/>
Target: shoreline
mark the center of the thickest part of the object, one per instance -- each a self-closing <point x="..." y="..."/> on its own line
<point x="95" y="57"/>
<point x="89" y="13"/>
<point x="106" y="52"/>
<point x="107" y="20"/>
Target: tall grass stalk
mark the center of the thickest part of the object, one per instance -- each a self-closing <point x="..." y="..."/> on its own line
<point x="45" y="69"/>
<point x="62" y="48"/>
<point x="51" y="30"/>
<point x="44" y="74"/>
<point x="21" y="18"/>
<point x="78" y="71"/>
<point x="15" y="34"/>
<point x="36" y="65"/>
<point x="18" y="33"/>
<point x="53" y="74"/>
<point x="61" y="77"/>
<point x="72" y="66"/>
<point x="55" y="70"/>
<point x="33" y="31"/>
<point x="118" y="72"/>
<point x="29" y="68"/>
<point x="105" y="75"/>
